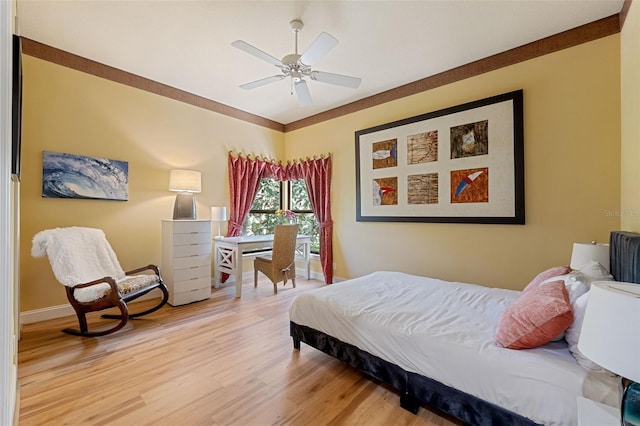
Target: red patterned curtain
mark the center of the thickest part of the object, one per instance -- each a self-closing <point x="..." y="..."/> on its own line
<point x="317" y="175"/>
<point x="244" y="179"/>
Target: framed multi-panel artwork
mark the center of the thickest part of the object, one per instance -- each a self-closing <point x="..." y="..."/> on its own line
<point x="463" y="164"/>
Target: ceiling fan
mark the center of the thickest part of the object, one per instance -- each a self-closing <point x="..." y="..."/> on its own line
<point x="298" y="66"/>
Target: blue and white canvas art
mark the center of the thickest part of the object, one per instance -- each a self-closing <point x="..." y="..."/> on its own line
<point x="76" y="176"/>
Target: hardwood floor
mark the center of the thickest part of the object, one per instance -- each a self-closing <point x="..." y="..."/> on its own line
<point x="223" y="361"/>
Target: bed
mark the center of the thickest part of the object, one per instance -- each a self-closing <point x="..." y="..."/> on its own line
<point x="434" y="342"/>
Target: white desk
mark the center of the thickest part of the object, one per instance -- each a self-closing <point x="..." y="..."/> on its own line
<point x="229" y="251"/>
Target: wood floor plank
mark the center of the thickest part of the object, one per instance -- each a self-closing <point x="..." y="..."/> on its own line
<point x="223" y="361"/>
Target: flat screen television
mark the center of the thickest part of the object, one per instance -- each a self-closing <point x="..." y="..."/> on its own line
<point x="16" y="107"/>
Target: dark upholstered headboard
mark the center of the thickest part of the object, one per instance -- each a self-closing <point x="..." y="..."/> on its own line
<point x="624" y="254"/>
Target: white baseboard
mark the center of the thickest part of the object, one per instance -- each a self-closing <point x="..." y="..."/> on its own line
<point x="44" y="314"/>
<point x="300" y="272"/>
<point x="59" y="311"/>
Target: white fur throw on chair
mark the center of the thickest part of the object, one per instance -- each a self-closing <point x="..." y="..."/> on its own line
<point x="78" y="255"/>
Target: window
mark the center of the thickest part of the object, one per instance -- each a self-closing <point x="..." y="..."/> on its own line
<point x="273" y="195"/>
<point x="262" y="217"/>
<point x="298" y="202"/>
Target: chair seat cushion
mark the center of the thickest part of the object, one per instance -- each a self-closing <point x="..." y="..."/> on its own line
<point x="127" y="285"/>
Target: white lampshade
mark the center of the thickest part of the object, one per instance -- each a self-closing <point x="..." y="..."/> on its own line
<point x="218" y="213"/>
<point x="583" y="253"/>
<point x="184" y="181"/>
<point x="610" y="334"/>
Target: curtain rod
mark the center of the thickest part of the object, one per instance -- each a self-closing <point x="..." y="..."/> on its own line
<point x="274" y="161"/>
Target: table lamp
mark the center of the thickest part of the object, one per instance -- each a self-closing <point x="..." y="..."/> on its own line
<point x="583" y="253"/>
<point x="185" y="183"/>
<point x="610" y="337"/>
<point x="218" y="214"/>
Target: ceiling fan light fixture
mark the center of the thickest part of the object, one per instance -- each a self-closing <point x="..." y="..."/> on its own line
<point x="297" y="66"/>
<point x="291" y="59"/>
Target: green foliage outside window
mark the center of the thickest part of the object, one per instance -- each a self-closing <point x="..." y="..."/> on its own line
<point x="268" y="197"/>
<point x="273" y="195"/>
<point x="299" y="203"/>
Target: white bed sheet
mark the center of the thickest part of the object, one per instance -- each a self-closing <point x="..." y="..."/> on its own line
<point x="445" y="331"/>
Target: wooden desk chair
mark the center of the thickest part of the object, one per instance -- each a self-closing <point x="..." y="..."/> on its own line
<point x="84" y="262"/>
<point x="281" y="266"/>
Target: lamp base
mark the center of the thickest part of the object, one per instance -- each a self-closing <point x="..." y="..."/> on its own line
<point x="185" y="206"/>
<point x="218" y="237"/>
<point x="630" y="408"/>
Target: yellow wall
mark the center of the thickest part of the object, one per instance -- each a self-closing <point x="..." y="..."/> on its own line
<point x="73" y="112"/>
<point x="572" y="169"/>
<point x="572" y="173"/>
<point x="630" y="123"/>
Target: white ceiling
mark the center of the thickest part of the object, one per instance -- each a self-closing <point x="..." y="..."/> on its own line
<point x="187" y="44"/>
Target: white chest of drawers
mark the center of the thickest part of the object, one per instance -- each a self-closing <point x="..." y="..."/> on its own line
<point x="186" y="260"/>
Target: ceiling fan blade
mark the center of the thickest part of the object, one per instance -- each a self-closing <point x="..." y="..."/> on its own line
<point x="337" y="79"/>
<point x="320" y="47"/>
<point x="246" y="47"/>
<point x="262" y="82"/>
<point x="302" y="90"/>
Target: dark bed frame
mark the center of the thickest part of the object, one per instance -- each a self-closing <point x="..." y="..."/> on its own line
<point x="416" y="390"/>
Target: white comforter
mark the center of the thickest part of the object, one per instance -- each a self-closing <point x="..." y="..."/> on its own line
<point x="445" y="331"/>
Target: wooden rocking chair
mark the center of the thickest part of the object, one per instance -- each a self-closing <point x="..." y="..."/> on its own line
<point x="84" y="262"/>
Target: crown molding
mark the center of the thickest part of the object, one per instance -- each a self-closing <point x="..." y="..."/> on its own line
<point x="583" y="34"/>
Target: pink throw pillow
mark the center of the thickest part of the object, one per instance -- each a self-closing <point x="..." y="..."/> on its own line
<point x="536" y="317"/>
<point x="545" y="275"/>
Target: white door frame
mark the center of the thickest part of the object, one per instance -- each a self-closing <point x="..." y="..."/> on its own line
<point x="8" y="342"/>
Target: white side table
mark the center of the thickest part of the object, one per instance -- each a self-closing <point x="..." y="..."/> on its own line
<point x="591" y="413"/>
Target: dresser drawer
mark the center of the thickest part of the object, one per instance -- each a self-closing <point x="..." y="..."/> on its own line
<point x="191" y="238"/>
<point x="192" y="273"/>
<point x="191" y="261"/>
<point x="191" y="226"/>
<point x="183" y="298"/>
<point x="192" y="250"/>
<point x="193" y="284"/>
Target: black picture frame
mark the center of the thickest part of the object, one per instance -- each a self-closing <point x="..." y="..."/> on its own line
<point x="16" y="107"/>
<point x="462" y="164"/>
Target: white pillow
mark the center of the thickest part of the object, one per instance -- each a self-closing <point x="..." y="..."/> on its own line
<point x="592" y="271"/>
<point x="575" y="282"/>
<point x="572" y="335"/>
<point x="595" y="272"/>
<point x="578" y="283"/>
